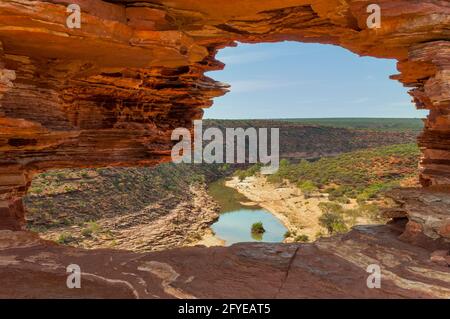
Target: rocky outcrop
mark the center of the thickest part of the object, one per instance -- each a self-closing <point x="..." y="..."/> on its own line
<point x="334" y="267"/>
<point x="432" y="93"/>
<point x="166" y="223"/>
<point x="427" y="210"/>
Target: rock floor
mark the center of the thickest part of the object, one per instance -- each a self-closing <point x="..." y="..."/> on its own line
<point x="329" y="268"/>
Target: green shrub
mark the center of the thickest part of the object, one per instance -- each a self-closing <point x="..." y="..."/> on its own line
<point x="342" y="200"/>
<point x="251" y="171"/>
<point x="333" y="222"/>
<point x="65" y="238"/>
<point x="36" y="190"/>
<point x="302" y="238"/>
<point x="372" y="211"/>
<point x="319" y="234"/>
<point x="93" y="227"/>
<point x="69" y="188"/>
<point x="61" y="175"/>
<point x="339" y="227"/>
<point x="258" y="228"/>
<point x="307" y="187"/>
<point x="66" y="222"/>
<point x="195" y="179"/>
<point x="86" y="232"/>
<point x="330" y="207"/>
<point x="352" y="171"/>
<point x="240" y="174"/>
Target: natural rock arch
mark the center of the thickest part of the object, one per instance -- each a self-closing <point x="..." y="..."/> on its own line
<point x="110" y="92"/>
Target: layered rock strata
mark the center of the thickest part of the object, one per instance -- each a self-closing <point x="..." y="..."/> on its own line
<point x="427" y="210"/>
<point x="110" y="92"/>
<point x="336" y="267"/>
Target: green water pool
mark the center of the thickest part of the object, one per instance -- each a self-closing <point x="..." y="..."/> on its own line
<point x="235" y="221"/>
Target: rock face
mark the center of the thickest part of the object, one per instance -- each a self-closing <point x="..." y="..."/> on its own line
<point x="335" y="267"/>
<point x="428" y="212"/>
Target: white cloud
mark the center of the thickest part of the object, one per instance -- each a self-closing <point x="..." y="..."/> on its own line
<point x="251" y="57"/>
<point x="260" y="85"/>
<point x="401" y="104"/>
<point x="360" y="100"/>
<point x="314" y="101"/>
<point x="232" y="59"/>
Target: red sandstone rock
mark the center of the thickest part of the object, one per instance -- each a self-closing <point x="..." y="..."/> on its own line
<point x="109" y="93"/>
<point x="441" y="257"/>
<point x="428" y="211"/>
<point x="333" y="267"/>
<point x="444" y="230"/>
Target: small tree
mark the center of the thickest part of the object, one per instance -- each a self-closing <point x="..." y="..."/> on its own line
<point x="307" y="187"/>
<point x="334" y="223"/>
<point x="258" y="228"/>
<point x="302" y="238"/>
<point x="65" y="238"/>
<point x="330" y="207"/>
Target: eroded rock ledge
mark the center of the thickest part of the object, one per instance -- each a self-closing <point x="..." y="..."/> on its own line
<point x="428" y="212"/>
<point x="333" y="267"/>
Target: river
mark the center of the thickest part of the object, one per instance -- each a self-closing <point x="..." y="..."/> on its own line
<point x="235" y="221"/>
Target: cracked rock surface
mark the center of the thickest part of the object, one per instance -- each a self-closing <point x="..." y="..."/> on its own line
<point x="333" y="267"/>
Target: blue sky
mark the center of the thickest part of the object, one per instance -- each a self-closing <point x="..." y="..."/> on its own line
<point x="298" y="80"/>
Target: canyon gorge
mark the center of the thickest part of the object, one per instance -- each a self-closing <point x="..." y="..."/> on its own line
<point x="109" y="94"/>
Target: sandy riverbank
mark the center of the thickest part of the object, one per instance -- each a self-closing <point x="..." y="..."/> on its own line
<point x="209" y="240"/>
<point x="287" y="203"/>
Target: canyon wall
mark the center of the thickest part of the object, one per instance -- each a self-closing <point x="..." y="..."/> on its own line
<point x="110" y="92"/>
